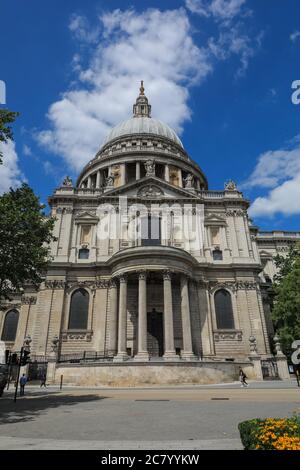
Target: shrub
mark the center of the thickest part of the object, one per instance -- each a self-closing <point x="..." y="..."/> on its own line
<point x="271" y="434"/>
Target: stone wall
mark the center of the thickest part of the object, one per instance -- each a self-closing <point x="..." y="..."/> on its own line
<point x="130" y="375"/>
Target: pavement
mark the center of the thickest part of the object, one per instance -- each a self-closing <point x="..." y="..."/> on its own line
<point x="166" y="418"/>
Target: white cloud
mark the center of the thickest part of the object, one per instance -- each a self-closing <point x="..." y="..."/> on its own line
<point x="294" y="36"/>
<point x="27" y="150"/>
<point x="10" y="174"/>
<point x="81" y="29"/>
<point x="284" y="199"/>
<point x="219" y="9"/>
<point x="273" y="167"/>
<point x="279" y="172"/>
<point x="233" y="42"/>
<point x="155" y="46"/>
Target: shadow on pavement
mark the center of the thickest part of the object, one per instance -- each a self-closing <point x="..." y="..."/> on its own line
<point x="30" y="407"/>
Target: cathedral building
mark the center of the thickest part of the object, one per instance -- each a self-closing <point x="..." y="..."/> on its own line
<point x="154" y="277"/>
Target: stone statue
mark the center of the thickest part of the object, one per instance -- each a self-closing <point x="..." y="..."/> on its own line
<point x="109" y="182"/>
<point x="27" y="342"/>
<point x="230" y="186"/>
<point x="253" y="346"/>
<point x="150" y="191"/>
<point x="189" y="181"/>
<point x="68" y="182"/>
<point x="150" y="168"/>
<point x="54" y="344"/>
<point x="277" y="344"/>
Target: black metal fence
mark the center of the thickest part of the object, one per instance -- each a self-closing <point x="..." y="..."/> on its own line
<point x="86" y="356"/>
<point x="269" y="369"/>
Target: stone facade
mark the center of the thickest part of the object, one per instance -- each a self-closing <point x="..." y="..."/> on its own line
<point x="150" y="301"/>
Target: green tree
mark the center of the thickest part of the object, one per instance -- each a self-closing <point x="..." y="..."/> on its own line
<point x="25" y="234"/>
<point x="6" y="117"/>
<point x="286" y="312"/>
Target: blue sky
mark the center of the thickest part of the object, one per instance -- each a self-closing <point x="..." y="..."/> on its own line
<point x="218" y="71"/>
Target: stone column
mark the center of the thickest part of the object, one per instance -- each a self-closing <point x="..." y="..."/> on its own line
<point x="138" y="171"/>
<point x="187" y="352"/>
<point x="51" y="369"/>
<point x="98" y="180"/>
<point x="255" y="358"/>
<point x="167" y="173"/>
<point x="282" y="365"/>
<point x="142" y="320"/>
<point x="122" y="336"/>
<point x="180" y="178"/>
<point x="170" y="354"/>
<point x="113" y="320"/>
<point x="89" y="182"/>
<point x="123" y="174"/>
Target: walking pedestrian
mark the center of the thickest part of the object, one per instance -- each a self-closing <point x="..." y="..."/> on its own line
<point x="23" y="382"/>
<point x="43" y="381"/>
<point x="243" y="377"/>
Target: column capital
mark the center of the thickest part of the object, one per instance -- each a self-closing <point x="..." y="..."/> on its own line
<point x="184" y="277"/>
<point x="123" y="278"/>
<point x="167" y="275"/>
<point x="142" y="275"/>
<point x="113" y="283"/>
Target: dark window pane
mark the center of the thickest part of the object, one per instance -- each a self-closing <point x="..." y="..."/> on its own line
<point x="84" y="253"/>
<point x="224" y="312"/>
<point x="79" y="310"/>
<point x="151" y="231"/>
<point x="10" y="326"/>
<point x="217" y="255"/>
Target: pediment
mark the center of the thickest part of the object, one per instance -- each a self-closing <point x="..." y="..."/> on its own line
<point x="265" y="254"/>
<point x="150" y="191"/>
<point x="151" y="188"/>
<point x="86" y="217"/>
<point x="215" y="219"/>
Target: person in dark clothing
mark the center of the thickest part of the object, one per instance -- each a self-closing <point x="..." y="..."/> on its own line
<point x="243" y="377"/>
<point x="23" y="382"/>
<point x="43" y="381"/>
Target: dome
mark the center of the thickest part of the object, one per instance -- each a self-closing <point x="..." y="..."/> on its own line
<point x="143" y="125"/>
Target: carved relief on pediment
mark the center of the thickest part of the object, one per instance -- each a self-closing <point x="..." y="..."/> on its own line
<point x="150" y="191"/>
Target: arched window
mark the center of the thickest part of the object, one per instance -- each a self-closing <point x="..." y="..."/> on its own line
<point x="79" y="310"/>
<point x="224" y="312"/>
<point x="10" y="326"/>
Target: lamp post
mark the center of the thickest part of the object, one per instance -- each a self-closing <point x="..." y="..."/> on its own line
<point x="24" y="357"/>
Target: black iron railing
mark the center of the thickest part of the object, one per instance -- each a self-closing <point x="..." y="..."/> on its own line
<point x="269" y="369"/>
<point x="86" y="356"/>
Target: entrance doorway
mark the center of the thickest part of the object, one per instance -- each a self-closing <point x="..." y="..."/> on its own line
<point x="155" y="334"/>
<point x="37" y="370"/>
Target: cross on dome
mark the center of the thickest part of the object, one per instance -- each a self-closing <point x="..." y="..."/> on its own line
<point x="142" y="89"/>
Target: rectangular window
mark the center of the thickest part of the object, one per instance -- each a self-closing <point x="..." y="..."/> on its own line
<point x="86" y="231"/>
<point x="215" y="236"/>
<point x="151" y="231"/>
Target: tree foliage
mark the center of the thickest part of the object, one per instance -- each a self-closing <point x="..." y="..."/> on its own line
<point x="6" y="117"/>
<point x="286" y="312"/>
<point x="25" y="234"/>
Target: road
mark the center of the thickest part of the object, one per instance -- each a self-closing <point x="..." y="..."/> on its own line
<point x="190" y="417"/>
